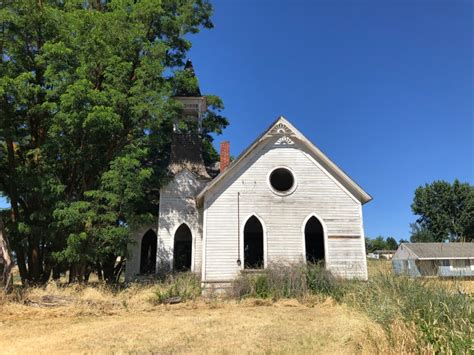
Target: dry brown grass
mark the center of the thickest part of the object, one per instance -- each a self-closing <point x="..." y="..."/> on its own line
<point x="375" y="267"/>
<point x="97" y="320"/>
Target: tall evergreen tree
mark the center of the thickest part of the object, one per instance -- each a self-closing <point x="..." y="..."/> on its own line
<point x="85" y="119"/>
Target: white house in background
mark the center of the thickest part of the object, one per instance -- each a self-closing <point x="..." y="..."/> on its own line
<point x="281" y="201"/>
<point x="434" y="259"/>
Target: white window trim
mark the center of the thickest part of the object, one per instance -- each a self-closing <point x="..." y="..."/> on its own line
<point x="172" y="246"/>
<point x="284" y="193"/>
<point x="204" y="244"/>
<point x="242" y="228"/>
<point x="325" y="238"/>
<point x="140" y="245"/>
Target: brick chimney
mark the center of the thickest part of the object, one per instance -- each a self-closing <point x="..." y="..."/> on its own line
<point x="225" y="155"/>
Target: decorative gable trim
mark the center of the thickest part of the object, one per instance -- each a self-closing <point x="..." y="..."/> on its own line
<point x="285" y="140"/>
<point x="280" y="128"/>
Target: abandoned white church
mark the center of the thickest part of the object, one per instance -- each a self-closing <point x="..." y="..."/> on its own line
<point x="281" y="201"/>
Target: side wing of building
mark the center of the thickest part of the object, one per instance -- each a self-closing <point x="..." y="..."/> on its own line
<point x="178" y="208"/>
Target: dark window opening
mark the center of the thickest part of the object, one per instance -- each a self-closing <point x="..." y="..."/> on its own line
<point x="148" y="253"/>
<point x="253" y="244"/>
<point x="182" y="252"/>
<point x="282" y="179"/>
<point x="314" y="240"/>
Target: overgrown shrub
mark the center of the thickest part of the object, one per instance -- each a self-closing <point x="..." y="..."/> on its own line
<point x="322" y="282"/>
<point x="275" y="282"/>
<point x="186" y="286"/>
<point x="288" y="281"/>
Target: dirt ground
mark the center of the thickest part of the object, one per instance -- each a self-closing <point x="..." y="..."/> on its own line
<point x="250" y="326"/>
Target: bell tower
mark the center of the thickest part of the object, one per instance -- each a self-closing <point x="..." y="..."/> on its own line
<point x="178" y="244"/>
<point x="194" y="104"/>
<point x="186" y="142"/>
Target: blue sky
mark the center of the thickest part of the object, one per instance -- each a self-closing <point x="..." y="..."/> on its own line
<point x="384" y="88"/>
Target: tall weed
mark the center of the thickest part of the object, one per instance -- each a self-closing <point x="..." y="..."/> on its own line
<point x="275" y="282"/>
<point x="186" y="286"/>
<point x="288" y="281"/>
<point x="441" y="318"/>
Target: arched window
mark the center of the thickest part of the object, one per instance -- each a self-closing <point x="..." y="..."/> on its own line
<point x="314" y="240"/>
<point x="148" y="253"/>
<point x="182" y="251"/>
<point x="253" y="244"/>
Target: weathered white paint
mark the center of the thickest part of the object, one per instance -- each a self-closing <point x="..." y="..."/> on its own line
<point x="178" y="206"/>
<point x="321" y="190"/>
<point x="317" y="192"/>
<point x="204" y="240"/>
<point x="285" y="129"/>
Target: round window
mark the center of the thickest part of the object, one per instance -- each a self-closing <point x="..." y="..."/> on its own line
<point x="282" y="180"/>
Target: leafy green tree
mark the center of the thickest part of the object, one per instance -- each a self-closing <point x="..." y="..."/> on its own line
<point x="86" y="112"/>
<point x="420" y="234"/>
<point x="446" y="212"/>
<point x="391" y="244"/>
<point x="380" y="243"/>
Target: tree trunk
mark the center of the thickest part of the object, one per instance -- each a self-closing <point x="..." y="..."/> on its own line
<point x="56" y="272"/>
<point x="34" y="260"/>
<point x="77" y="272"/>
<point x="99" y="272"/>
<point x="72" y="273"/>
<point x="6" y="261"/>
<point x="15" y="214"/>
<point x="108" y="267"/>
<point x="45" y="275"/>
<point x="21" y="261"/>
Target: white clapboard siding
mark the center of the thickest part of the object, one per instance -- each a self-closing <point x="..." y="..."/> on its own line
<point x="178" y="206"/>
<point x="283" y="217"/>
<point x="347" y="257"/>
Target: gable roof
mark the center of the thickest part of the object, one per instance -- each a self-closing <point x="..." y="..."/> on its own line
<point x="428" y="251"/>
<point x="282" y="127"/>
